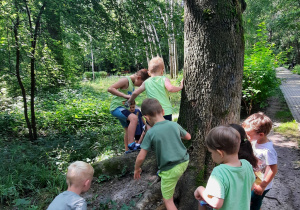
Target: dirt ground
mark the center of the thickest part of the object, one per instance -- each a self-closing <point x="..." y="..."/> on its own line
<point x="285" y="193"/>
<point x="125" y="192"/>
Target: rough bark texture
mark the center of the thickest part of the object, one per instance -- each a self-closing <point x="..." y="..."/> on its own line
<point x="213" y="65"/>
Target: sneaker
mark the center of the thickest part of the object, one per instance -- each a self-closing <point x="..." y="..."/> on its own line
<point x="137" y="148"/>
<point x="131" y="146"/>
<point x="128" y="151"/>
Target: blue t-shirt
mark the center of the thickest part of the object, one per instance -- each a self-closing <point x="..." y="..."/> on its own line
<point x="139" y="127"/>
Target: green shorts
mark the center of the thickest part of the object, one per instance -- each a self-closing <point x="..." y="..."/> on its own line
<point x="170" y="178"/>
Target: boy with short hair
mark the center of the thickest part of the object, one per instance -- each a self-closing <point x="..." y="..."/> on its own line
<point x="229" y="185"/>
<point x="158" y="86"/>
<point x="122" y="90"/>
<point x="79" y="178"/>
<point x="139" y="132"/>
<point x="165" y="138"/>
<point x="257" y="127"/>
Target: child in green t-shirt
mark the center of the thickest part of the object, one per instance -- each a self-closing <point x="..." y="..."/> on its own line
<point x="158" y="86"/>
<point x="171" y="155"/>
<point x="229" y="185"/>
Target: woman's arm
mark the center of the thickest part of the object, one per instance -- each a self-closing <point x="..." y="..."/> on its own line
<point x="136" y="93"/>
<point x="121" y="84"/>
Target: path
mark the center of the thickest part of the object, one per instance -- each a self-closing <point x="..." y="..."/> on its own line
<point x="290" y="88"/>
<point x="286" y="187"/>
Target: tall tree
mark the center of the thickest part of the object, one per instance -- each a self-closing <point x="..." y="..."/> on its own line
<point x="213" y="70"/>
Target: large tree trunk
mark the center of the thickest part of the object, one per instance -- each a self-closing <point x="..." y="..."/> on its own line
<point x="213" y="70"/>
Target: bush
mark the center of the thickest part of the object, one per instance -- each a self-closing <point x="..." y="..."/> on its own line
<point x="296" y="69"/>
<point x="100" y="74"/>
<point x="259" y="78"/>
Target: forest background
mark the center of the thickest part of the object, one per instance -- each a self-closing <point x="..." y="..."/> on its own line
<point x="59" y="57"/>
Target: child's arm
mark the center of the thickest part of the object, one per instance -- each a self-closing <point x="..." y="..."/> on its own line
<point x="136" y="93"/>
<point x="121" y="84"/>
<point x="259" y="189"/>
<point x="187" y="136"/>
<point x="214" y="202"/>
<point x="172" y="88"/>
<point x="138" y="163"/>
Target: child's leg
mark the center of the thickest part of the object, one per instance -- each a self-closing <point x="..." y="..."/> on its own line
<point x="169" y="181"/>
<point x="256" y="200"/>
<point x="126" y="139"/>
<point x="131" y="127"/>
<point x="141" y="138"/>
<point x="170" y="204"/>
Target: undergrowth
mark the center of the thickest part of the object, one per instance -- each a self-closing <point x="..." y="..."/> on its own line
<point x="73" y="124"/>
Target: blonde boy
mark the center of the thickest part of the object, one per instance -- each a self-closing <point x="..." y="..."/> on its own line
<point x="257" y="127"/>
<point x="171" y="155"/>
<point x="229" y="185"/>
<point x="158" y="86"/>
<point x="79" y="178"/>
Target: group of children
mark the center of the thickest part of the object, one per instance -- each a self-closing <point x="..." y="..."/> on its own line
<point x="247" y="161"/>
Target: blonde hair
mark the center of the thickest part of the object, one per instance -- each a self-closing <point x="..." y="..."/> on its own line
<point x="78" y="172"/>
<point x="224" y="138"/>
<point x="156" y="64"/>
<point x="259" y="122"/>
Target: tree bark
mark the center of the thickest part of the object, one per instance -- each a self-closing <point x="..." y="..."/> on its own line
<point x="16" y="28"/>
<point x="34" y="35"/>
<point x="213" y="70"/>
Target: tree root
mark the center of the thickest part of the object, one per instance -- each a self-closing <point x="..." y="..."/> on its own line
<point x="273" y="199"/>
<point x="150" y="196"/>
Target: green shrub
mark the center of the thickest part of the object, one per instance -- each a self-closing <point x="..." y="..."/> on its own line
<point x="100" y="74"/>
<point x="259" y="77"/>
<point x="296" y="69"/>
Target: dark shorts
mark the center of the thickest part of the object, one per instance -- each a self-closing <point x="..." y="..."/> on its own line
<point x="168" y="117"/>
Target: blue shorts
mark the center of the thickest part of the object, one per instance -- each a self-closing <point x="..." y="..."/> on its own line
<point x="119" y="113"/>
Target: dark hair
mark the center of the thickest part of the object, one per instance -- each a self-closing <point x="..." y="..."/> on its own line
<point x="151" y="107"/>
<point x="143" y="73"/>
<point x="223" y="138"/>
<point x="245" y="151"/>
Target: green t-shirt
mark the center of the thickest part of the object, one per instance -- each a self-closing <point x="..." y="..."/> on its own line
<point x="165" y="139"/>
<point x="233" y="184"/>
<point x="155" y="88"/>
<point x="118" y="101"/>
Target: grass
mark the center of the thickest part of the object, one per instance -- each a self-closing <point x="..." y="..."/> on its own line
<point x="288" y="126"/>
<point x="289" y="129"/>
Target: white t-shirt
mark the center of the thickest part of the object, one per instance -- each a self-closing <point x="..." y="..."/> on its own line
<point x="266" y="155"/>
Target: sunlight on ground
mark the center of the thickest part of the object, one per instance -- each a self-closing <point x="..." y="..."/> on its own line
<point x="289" y="129"/>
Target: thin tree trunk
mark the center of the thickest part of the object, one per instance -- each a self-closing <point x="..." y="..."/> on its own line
<point x="157" y="41"/>
<point x="213" y="64"/>
<point x="16" y="28"/>
<point x="92" y="55"/>
<point x="32" y="63"/>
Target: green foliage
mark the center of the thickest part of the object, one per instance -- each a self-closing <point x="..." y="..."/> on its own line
<point x="296" y="69"/>
<point x="100" y="74"/>
<point x="259" y="78"/>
